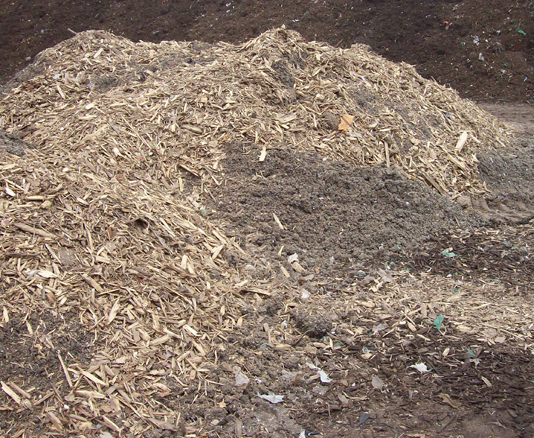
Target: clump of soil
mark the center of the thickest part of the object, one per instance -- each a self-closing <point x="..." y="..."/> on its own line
<point x="334" y="217"/>
<point x="12" y="144"/>
<point x="313" y="320"/>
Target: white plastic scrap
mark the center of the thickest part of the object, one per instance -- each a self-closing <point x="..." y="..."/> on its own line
<point x="323" y="376"/>
<point x="377" y="383"/>
<point x="292" y="258"/>
<point x="241" y="379"/>
<point x="378" y="328"/>
<point x="273" y="398"/>
<point x="421" y="367"/>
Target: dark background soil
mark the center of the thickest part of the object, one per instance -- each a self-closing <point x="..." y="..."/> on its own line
<point x="483" y="49"/>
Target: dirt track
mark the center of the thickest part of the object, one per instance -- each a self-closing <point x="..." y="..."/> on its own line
<point x="520" y="116"/>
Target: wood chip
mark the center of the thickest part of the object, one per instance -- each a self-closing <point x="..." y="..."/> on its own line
<point x="33" y="230"/>
<point x="263" y="154"/>
<point x="11" y="393"/>
<point x="282" y="227"/>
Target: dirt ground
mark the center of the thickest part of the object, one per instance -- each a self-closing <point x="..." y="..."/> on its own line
<point x="379" y="308"/>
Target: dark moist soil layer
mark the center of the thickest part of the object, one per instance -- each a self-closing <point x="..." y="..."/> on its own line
<point x="451" y="400"/>
<point x="485" y="51"/>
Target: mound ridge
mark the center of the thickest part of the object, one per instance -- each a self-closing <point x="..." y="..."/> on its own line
<point x="184" y="99"/>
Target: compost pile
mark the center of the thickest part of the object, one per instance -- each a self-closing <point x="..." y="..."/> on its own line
<point x="122" y="281"/>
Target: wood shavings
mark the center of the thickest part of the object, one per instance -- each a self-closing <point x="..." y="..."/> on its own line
<point x="102" y="220"/>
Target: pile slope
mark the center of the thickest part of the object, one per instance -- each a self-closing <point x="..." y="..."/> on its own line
<point x="104" y="231"/>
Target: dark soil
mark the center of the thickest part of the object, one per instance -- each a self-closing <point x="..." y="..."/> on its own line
<point x="501" y="256"/>
<point x="333" y="218"/>
<point x="336" y="218"/>
<point x="485" y="52"/>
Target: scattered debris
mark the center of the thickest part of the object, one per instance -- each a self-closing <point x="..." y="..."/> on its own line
<point x="421" y="367"/>
<point x="378" y="383"/>
<point x="438" y="321"/>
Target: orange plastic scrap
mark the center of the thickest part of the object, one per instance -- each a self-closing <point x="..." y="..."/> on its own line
<point x="344" y="122"/>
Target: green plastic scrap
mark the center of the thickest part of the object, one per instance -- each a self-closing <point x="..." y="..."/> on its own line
<point x="438" y="321"/>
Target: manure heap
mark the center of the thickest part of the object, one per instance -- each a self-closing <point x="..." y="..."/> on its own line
<point x="103" y="237"/>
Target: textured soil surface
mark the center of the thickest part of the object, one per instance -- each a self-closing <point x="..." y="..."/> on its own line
<point x="485" y="52"/>
<point x="334" y="217"/>
<point x="372" y="373"/>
